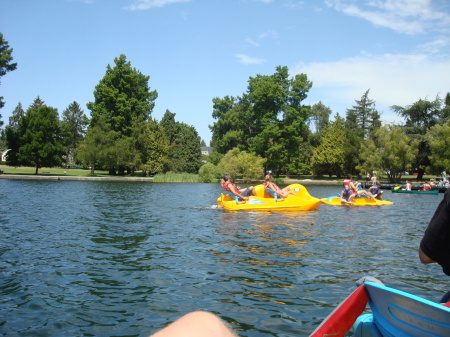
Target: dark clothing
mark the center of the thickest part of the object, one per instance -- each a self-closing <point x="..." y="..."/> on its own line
<point x="436" y="240"/>
<point x="246" y="193"/>
<point x="346" y="194"/>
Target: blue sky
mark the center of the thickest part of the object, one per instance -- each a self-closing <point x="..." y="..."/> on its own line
<point x="195" y="50"/>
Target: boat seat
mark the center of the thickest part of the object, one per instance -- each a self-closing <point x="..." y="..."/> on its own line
<point x="272" y="193"/>
<point x="399" y="314"/>
<point x="235" y="197"/>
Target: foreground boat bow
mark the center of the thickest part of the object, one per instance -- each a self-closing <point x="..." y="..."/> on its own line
<point x="394" y="314"/>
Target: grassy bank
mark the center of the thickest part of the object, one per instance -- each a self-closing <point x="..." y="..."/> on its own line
<point x="63" y="172"/>
<point x="176" y="178"/>
<point x="51" y="171"/>
<point x="167" y="177"/>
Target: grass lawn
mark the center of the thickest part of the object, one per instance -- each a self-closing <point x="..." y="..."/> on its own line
<point x="57" y="171"/>
<point x="51" y="171"/>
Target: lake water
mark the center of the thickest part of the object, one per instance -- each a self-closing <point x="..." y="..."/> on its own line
<point x="124" y="259"/>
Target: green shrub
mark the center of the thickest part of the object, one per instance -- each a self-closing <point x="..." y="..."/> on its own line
<point x="242" y="164"/>
<point x="209" y="173"/>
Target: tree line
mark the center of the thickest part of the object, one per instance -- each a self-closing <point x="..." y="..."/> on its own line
<point x="121" y="136"/>
<point x="268" y="128"/>
<point x="271" y="122"/>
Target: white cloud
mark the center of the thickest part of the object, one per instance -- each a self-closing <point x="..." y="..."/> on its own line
<point x="147" y="4"/>
<point x="404" y="16"/>
<point x="245" y="59"/>
<point x="434" y="46"/>
<point x="393" y="79"/>
<point x="269" y="34"/>
<point x="252" y="42"/>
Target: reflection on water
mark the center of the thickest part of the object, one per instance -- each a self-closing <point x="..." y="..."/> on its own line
<point x="103" y="259"/>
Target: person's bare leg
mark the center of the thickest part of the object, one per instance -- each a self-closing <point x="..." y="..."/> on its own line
<point x="196" y="324"/>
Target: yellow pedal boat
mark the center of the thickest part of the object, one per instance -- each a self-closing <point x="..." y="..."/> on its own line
<point x="263" y="200"/>
<point x="359" y="201"/>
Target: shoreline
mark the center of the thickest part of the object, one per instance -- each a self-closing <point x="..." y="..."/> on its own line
<point x="304" y="182"/>
<point x="74" y="178"/>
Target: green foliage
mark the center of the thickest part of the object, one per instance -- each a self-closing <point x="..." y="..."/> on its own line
<point x="370" y="160"/>
<point x="209" y="173"/>
<point x="214" y="157"/>
<point x="74" y="128"/>
<point x="445" y="113"/>
<point x="12" y="135"/>
<point x="301" y="164"/>
<point x="320" y="116"/>
<point x="352" y="149"/>
<point x="16" y="116"/>
<point x="420" y="117"/>
<point x="278" y="181"/>
<point x="149" y="141"/>
<point x="363" y="117"/>
<point x="247" y="166"/>
<point x="170" y="127"/>
<point x="185" y="154"/>
<point x="37" y="139"/>
<point x="329" y="156"/>
<point x="233" y="123"/>
<point x="389" y="150"/>
<point x="120" y="113"/>
<point x="96" y="148"/>
<point x="268" y="120"/>
<point x="171" y="177"/>
<point x="122" y="95"/>
<point x="439" y="139"/>
<point x="6" y="64"/>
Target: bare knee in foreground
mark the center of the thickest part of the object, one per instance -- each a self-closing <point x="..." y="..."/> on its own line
<point x="196" y="324"/>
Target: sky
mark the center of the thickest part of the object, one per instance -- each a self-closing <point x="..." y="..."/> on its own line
<point x="196" y="50"/>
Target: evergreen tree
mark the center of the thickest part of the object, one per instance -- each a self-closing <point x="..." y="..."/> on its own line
<point x="320" y="117"/>
<point x="95" y="149"/>
<point x="150" y="146"/>
<point x="170" y="127"/>
<point x="74" y="125"/>
<point x="12" y="135"/>
<point x="6" y="64"/>
<point x="122" y="95"/>
<point x="329" y="157"/>
<point x="185" y="154"/>
<point x="38" y="138"/>
<point x="363" y="117"/>
<point x="157" y="149"/>
<point x="445" y="114"/>
<point x="16" y="116"/>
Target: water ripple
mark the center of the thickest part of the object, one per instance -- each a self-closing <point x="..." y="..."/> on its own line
<point x="124" y="259"/>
